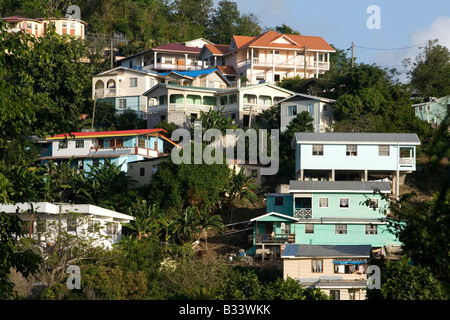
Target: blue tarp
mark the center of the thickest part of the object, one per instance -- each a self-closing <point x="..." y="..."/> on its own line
<point x="349" y="262"/>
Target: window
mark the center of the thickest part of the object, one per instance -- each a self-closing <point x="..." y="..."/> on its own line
<point x="383" y="150"/>
<point x="133" y="82"/>
<point x="335" y="294"/>
<point x="96" y="162"/>
<point x="122" y="103"/>
<point x="291" y="111"/>
<point x="352" y="150"/>
<point x="371" y="229"/>
<point x="29" y="26"/>
<point x="310" y="109"/>
<point x="316" y="265"/>
<point x="352" y="294"/>
<point x="317" y="150"/>
<point x="373" y="203"/>
<point x="309" y="228"/>
<point x="344" y="202"/>
<point x="232" y="99"/>
<point x="100" y="143"/>
<point x="279" y="201"/>
<point x="340" y="229"/>
<point x="93" y="225"/>
<point x="323" y="202"/>
<point x="141" y="143"/>
<point x="71" y="225"/>
<point x="79" y="144"/>
<point x="112" y="228"/>
<point x="63" y="144"/>
<point x="142" y="172"/>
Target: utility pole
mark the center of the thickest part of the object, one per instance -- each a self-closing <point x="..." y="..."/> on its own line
<point x="353" y="46"/>
<point x="111" y="52"/>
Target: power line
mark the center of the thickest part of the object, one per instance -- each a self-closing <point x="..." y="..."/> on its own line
<point x="402" y="48"/>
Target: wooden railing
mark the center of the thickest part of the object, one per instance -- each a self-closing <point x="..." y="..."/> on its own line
<point x="277" y="238"/>
<point x="303" y="213"/>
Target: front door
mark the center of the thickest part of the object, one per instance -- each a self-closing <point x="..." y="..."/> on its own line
<point x="268" y="229"/>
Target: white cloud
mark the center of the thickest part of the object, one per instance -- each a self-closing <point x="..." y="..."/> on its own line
<point x="438" y="29"/>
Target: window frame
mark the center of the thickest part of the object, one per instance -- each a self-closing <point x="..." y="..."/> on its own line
<point x="78" y="142"/>
<point x="348" y="203"/>
<point x="319" y="151"/>
<point x="342" y="230"/>
<point x="133" y="82"/>
<point x="63" y="144"/>
<point x="328" y="202"/>
<point x="310" y="229"/>
<point x="350" y="149"/>
<point x="122" y="104"/>
<point x="291" y="111"/>
<point x="315" y="267"/>
<point x="371" y="229"/>
<point x="383" y="153"/>
<point x="277" y="200"/>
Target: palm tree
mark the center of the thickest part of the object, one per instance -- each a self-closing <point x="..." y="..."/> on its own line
<point x="240" y="187"/>
<point x="210" y="222"/>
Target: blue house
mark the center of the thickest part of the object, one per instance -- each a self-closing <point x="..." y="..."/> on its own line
<point x="355" y="156"/>
<point x="93" y="148"/>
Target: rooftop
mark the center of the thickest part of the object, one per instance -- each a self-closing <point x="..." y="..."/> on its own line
<point x="357" y="137"/>
<point x="339" y="186"/>
<point x="331" y="251"/>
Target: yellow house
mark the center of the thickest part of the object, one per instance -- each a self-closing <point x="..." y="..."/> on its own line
<point x="338" y="270"/>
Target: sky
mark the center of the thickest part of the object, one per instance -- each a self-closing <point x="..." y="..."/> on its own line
<point x="403" y="25"/>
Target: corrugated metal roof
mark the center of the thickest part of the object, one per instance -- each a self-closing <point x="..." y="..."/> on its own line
<point x="332" y="251"/>
<point x="339" y="186"/>
<point x="357" y="137"/>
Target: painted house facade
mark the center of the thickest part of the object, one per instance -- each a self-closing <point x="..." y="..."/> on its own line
<point x="93" y="148"/>
<point x="338" y="270"/>
<point x="326" y="213"/>
<point x="270" y="56"/>
<point x="178" y="103"/>
<point x="171" y="56"/>
<point x="433" y="112"/>
<point x="124" y="88"/>
<point x="43" y="220"/>
<point x="320" y="109"/>
<point x="355" y="156"/>
<point x="37" y="27"/>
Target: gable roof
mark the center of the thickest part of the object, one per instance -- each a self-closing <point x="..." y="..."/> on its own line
<point x="177" y="47"/>
<point x="270" y="39"/>
<point x="339" y="186"/>
<point x="279" y="215"/>
<point x="227" y="70"/>
<point x="217" y="49"/>
<point x="326" y="251"/>
<point x="196" y="73"/>
<point x="298" y="96"/>
<point x="357" y="137"/>
<point x="125" y="69"/>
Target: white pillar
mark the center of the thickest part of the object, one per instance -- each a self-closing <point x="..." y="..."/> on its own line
<point x="185" y="61"/>
<point x="295" y="63"/>
<point x="251" y="68"/>
<point x="154" y="58"/>
<point x="317" y="64"/>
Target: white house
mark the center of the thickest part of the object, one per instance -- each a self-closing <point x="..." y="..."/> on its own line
<point x="43" y="221"/>
<point x="124" y="87"/>
<point x="320" y="109"/>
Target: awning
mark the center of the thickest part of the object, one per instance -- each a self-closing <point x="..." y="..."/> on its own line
<point x="349" y="261"/>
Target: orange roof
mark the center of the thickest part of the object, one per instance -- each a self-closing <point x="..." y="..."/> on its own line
<point x="217" y="49"/>
<point x="273" y="39"/>
<point x="226" y="70"/>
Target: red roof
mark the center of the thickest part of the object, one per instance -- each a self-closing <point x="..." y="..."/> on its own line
<point x="176" y="47"/>
<point x="226" y="70"/>
<point x="135" y="132"/>
<point x="18" y="18"/>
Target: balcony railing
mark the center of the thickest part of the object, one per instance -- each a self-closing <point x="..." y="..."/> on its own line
<point x="278" y="238"/>
<point x="261" y="62"/>
<point x="255" y="107"/>
<point x="407" y="162"/>
<point x="123" y="151"/>
<point x="108" y="92"/>
<point x="303" y="213"/>
<point x="172" y="66"/>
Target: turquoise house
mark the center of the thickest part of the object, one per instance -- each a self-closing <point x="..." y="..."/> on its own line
<point x="433" y="111"/>
<point x="326" y="213"/>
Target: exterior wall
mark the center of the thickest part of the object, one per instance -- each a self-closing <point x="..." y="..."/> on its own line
<point x="433" y="112"/>
<point x="334" y="157"/>
<point x="71" y="149"/>
<point x="286" y="208"/>
<point x="143" y="171"/>
<point x="322" y="118"/>
<point x="302" y="268"/>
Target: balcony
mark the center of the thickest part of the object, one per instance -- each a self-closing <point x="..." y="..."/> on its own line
<point x="303" y="213"/>
<point x="278" y="238"/>
<point x="108" y="92"/>
<point x="279" y="63"/>
<point x="172" y="66"/>
<point x="407" y="162"/>
<point x="254" y="107"/>
<point x="117" y="152"/>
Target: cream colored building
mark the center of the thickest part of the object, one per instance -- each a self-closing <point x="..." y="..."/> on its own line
<point x="338" y="270"/>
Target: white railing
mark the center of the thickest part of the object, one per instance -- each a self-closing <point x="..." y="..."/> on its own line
<point x="407" y="161"/>
<point x="255" y="107"/>
<point x="303" y="213"/>
<point x="172" y="66"/>
<point x="284" y="63"/>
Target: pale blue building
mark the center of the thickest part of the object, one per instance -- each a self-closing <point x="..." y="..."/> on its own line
<point x="355" y="156"/>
